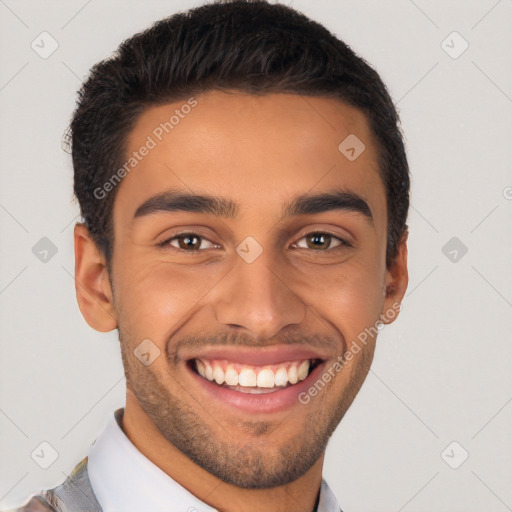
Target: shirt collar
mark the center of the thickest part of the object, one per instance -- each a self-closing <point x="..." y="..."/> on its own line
<point x="123" y="479"/>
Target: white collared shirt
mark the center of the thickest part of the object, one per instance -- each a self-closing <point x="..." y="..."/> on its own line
<point x="125" y="480"/>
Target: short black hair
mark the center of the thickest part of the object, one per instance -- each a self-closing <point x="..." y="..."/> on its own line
<point x="247" y="45"/>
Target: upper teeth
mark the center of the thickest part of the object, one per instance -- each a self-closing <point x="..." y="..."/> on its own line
<point x="253" y="376"/>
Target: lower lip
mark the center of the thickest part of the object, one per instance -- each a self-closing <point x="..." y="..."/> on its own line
<point x="274" y="401"/>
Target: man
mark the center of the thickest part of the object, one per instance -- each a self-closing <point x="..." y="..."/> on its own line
<point x="244" y="189"/>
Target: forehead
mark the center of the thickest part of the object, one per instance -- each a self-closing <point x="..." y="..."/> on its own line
<point x="258" y="149"/>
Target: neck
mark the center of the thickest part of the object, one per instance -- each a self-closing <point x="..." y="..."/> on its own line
<point x="300" y="494"/>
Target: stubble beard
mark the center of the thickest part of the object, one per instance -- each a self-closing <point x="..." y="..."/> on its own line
<point x="246" y="462"/>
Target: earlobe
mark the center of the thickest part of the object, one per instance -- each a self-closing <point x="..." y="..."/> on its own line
<point x="397" y="279"/>
<point x="92" y="284"/>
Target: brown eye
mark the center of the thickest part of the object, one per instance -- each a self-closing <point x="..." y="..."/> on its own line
<point x="189" y="242"/>
<point x="320" y="241"/>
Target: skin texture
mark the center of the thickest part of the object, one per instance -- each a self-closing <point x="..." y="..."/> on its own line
<point x="260" y="152"/>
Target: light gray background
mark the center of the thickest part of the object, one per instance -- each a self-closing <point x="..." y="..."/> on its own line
<point x="442" y="373"/>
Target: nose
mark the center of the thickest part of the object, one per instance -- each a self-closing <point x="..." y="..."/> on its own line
<point x="258" y="296"/>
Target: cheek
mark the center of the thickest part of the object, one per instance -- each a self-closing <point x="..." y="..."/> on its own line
<point x="157" y="296"/>
<point x="352" y="299"/>
<point x="352" y="304"/>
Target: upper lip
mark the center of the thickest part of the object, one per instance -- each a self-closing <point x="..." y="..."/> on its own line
<point x="259" y="356"/>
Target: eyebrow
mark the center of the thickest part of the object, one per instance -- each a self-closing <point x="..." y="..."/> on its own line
<point x="305" y="204"/>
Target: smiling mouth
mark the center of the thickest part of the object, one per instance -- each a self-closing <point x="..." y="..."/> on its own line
<point x="253" y="379"/>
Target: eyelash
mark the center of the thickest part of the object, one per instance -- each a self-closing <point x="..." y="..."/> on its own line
<point x="343" y="242"/>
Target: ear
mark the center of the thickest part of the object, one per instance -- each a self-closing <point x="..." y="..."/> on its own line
<point x="92" y="283"/>
<point x="396" y="281"/>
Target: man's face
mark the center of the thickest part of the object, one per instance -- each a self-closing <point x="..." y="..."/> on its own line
<point x="262" y="286"/>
